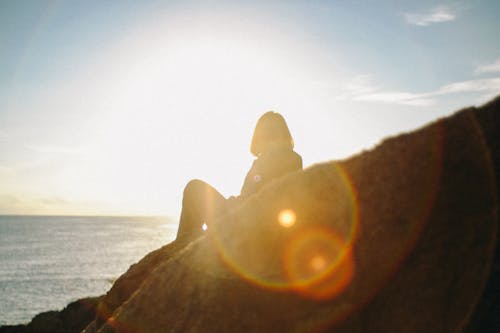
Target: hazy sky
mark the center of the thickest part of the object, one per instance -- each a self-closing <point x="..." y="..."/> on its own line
<point x="110" y="107"/>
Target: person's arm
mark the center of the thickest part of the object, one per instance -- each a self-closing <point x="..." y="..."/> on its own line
<point x="251" y="180"/>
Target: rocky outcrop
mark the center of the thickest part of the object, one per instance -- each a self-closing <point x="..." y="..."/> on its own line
<point x="129" y="282"/>
<point x="398" y="239"/>
<point x="72" y="319"/>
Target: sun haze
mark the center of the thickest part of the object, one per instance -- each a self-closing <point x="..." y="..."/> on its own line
<point x="110" y="108"/>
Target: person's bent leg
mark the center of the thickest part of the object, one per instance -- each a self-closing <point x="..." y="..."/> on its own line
<point x="201" y="203"/>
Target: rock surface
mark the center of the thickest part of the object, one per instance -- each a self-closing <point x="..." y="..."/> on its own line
<point x="402" y="238"/>
<point x="398" y="239"/>
<point x="72" y="319"/>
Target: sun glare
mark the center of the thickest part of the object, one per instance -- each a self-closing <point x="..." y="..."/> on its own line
<point x="186" y="110"/>
<point x="287" y="218"/>
<point x="169" y="107"/>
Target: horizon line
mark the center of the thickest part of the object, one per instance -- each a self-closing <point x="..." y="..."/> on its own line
<point x="85" y="215"/>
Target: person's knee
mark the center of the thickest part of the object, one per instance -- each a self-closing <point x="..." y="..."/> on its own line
<point x="193" y="187"/>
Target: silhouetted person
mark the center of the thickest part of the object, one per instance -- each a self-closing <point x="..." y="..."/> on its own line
<point x="272" y="144"/>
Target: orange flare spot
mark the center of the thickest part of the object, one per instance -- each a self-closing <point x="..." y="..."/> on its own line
<point x="319" y="264"/>
<point x="287" y="218"/>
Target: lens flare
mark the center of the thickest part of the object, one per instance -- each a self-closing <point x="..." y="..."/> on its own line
<point x="298" y="238"/>
<point x="287" y="218"/>
<point x="204" y="227"/>
<point x="319" y="263"/>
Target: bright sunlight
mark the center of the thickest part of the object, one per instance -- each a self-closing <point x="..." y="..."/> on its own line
<point x="185" y="110"/>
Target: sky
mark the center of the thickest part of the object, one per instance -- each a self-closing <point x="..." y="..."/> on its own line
<point x="111" y="107"/>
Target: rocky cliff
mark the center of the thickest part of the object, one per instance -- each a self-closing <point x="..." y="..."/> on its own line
<point x="401" y="238"/>
<point x="398" y="239"/>
<point x="72" y="319"/>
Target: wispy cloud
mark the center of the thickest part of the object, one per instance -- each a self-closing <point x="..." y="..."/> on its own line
<point x="437" y="14"/>
<point x="397" y="97"/>
<point x="361" y="85"/>
<point x="480" y="85"/>
<point x="364" y="90"/>
<point x="489" y="68"/>
<point x="22" y="203"/>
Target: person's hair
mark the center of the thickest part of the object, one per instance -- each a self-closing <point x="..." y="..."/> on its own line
<point x="271" y="129"/>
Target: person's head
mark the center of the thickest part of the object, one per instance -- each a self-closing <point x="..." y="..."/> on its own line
<point x="271" y="130"/>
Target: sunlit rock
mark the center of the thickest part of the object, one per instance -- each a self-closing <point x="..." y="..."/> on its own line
<point x="398" y="239"/>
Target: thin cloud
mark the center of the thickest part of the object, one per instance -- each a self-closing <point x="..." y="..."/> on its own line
<point x="489" y="68"/>
<point x="361" y="85"/>
<point x="397" y="97"/>
<point x="480" y="85"/>
<point x="369" y="93"/>
<point x="438" y="14"/>
<point x="21" y="203"/>
<point x="362" y="88"/>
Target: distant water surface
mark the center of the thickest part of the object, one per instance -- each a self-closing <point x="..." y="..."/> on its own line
<point x="47" y="262"/>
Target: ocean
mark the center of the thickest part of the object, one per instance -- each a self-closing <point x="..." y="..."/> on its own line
<point x="47" y="262"/>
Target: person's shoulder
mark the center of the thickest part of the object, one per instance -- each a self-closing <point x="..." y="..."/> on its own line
<point x="289" y="153"/>
<point x="290" y="157"/>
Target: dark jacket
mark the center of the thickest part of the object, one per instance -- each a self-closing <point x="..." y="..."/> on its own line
<point x="270" y="165"/>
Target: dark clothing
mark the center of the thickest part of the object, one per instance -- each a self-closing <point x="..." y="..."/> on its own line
<point x="271" y="165"/>
<point x="202" y="203"/>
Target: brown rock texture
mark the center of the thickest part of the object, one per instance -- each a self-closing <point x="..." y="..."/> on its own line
<point x="401" y="238"/>
<point x="72" y="319"/>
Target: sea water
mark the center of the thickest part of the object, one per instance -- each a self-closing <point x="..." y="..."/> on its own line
<point x="47" y="262"/>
